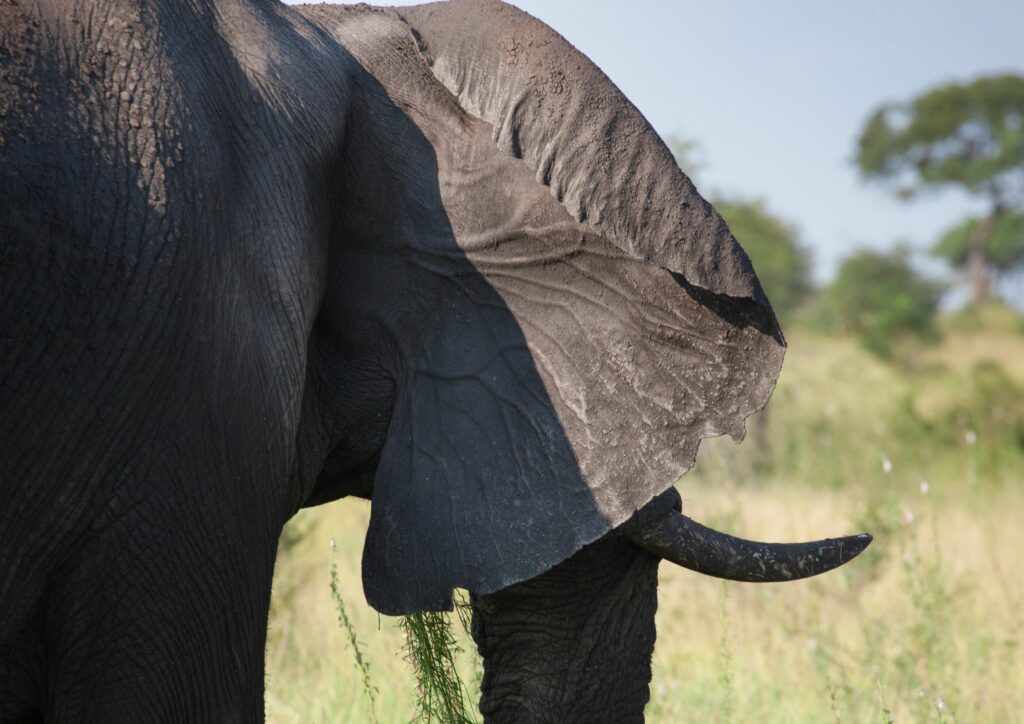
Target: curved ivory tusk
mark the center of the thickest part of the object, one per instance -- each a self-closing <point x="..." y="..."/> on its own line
<point x="689" y="544"/>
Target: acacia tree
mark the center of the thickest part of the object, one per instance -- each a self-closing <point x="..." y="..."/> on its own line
<point x="1004" y="247"/>
<point x="964" y="135"/>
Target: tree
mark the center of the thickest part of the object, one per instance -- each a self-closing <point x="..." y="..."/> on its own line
<point x="1004" y="248"/>
<point x="968" y="135"/>
<point x="782" y="264"/>
<point x="879" y="297"/>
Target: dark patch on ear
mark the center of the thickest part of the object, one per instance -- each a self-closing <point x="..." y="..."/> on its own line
<point x="737" y="311"/>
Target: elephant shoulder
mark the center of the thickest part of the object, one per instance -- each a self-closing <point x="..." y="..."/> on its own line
<point x="391" y="58"/>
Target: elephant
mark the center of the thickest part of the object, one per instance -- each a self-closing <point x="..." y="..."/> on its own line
<point x="257" y="257"/>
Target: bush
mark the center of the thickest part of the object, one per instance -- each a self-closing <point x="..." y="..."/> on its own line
<point x="881" y="299"/>
<point x="986" y="414"/>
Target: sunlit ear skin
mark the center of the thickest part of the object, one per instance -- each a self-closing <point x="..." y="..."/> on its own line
<point x="551" y="107"/>
<point x="672" y="536"/>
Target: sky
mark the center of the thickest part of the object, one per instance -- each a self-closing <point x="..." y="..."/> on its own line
<point x="775" y="94"/>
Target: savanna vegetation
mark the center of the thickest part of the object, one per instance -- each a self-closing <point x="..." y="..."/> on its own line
<point x="890" y="416"/>
<point x="928" y="625"/>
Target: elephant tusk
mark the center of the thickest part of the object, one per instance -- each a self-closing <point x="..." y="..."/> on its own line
<point x="687" y="543"/>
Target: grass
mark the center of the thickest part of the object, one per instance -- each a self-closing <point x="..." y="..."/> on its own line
<point x="353" y="641"/>
<point x="432" y="648"/>
<point x="927" y="625"/>
<point x="925" y="628"/>
<point x="313" y="674"/>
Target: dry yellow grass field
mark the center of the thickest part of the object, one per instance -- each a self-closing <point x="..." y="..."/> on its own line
<point x="927" y="625"/>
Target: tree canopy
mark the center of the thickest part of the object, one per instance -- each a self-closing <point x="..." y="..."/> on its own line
<point x="970" y="135"/>
<point x="1005" y="246"/>
<point x="964" y="135"/>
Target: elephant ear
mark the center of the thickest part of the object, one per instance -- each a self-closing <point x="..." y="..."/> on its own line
<point x="586" y="318"/>
<point x="549" y="105"/>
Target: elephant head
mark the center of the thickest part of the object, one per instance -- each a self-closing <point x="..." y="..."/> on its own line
<point x="254" y="257"/>
<point x="570" y="318"/>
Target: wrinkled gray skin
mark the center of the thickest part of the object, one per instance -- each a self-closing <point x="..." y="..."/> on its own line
<point x="255" y="257"/>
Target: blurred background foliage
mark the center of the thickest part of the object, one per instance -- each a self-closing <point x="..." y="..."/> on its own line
<point x="879" y="297"/>
<point x="969" y="136"/>
<point x="899" y="411"/>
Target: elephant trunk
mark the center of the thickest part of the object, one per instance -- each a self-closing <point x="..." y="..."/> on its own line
<point x="573" y="644"/>
<point x="674" y="537"/>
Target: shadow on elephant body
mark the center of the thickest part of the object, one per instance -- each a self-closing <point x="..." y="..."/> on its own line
<point x="475" y="468"/>
<point x="151" y="388"/>
<point x="355" y="286"/>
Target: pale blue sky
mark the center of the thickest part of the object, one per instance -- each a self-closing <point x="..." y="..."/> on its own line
<point x="775" y="93"/>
